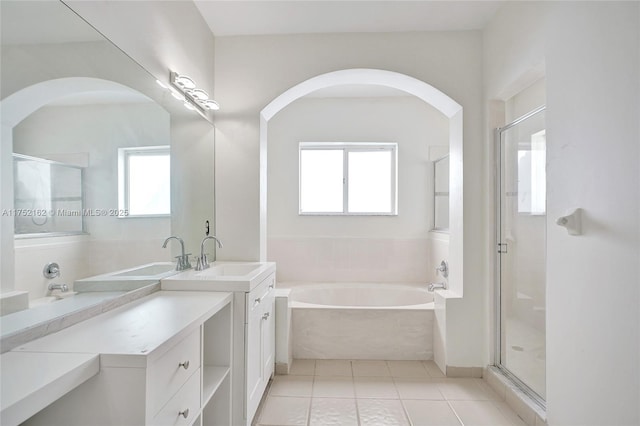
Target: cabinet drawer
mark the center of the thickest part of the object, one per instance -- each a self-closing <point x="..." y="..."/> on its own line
<point x="258" y="295"/>
<point x="167" y="374"/>
<point x="184" y="407"/>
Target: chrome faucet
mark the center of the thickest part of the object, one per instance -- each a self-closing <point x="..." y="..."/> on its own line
<point x="437" y="286"/>
<point x="62" y="287"/>
<point x="203" y="263"/>
<point x="183" y="259"/>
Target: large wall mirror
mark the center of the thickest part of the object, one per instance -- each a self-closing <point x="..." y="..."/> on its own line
<point x="72" y="103"/>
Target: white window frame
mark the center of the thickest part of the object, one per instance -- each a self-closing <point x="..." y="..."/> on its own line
<point x="123" y="177"/>
<point x="347" y="147"/>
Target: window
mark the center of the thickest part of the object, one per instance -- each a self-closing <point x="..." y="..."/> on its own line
<point x="532" y="178"/>
<point x="348" y="178"/>
<point x="144" y="182"/>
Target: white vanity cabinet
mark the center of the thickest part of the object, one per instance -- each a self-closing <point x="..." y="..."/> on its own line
<point x="259" y="352"/>
<point x="253" y="286"/>
<point x="164" y="360"/>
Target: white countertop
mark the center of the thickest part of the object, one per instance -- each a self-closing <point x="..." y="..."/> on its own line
<point x="31" y="381"/>
<point x="142" y="329"/>
<point x="24" y="326"/>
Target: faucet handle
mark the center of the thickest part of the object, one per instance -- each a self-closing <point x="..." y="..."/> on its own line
<point x="185" y="261"/>
<point x="443" y="268"/>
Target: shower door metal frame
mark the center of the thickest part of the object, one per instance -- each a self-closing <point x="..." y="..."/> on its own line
<point x="498" y="259"/>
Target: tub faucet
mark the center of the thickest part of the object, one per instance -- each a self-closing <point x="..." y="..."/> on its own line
<point x="62" y="287"/>
<point x="203" y="263"/>
<point x="183" y="259"/>
<point x="437" y="286"/>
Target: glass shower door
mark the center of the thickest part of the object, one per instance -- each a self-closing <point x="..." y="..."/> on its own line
<point x="522" y="252"/>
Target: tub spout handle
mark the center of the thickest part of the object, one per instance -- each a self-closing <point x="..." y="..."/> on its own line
<point x="437" y="286"/>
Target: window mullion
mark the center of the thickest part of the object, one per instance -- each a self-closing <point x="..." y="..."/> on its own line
<point x="345" y="181"/>
<point x="394" y="182"/>
<point x="127" y="173"/>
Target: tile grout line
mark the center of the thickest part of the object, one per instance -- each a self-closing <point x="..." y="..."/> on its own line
<point x="455" y="413"/>
<point x="406" y="413"/>
<point x="355" y="396"/>
<point x="313" y="382"/>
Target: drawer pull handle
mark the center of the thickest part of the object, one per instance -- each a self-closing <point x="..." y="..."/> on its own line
<point x="184" y="413"/>
<point x="257" y="301"/>
<point x="184" y="365"/>
<point x="266" y="315"/>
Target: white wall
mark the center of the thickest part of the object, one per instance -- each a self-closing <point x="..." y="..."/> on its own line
<point x="373" y="248"/>
<point x="591" y="53"/>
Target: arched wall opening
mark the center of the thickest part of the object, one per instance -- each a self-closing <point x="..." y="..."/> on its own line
<point x="423" y="91"/>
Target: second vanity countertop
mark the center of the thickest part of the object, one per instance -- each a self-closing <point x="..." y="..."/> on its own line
<point x="31" y="381"/>
<point x="132" y="335"/>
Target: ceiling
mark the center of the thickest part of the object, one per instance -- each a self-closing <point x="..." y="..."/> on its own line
<point x="238" y="17"/>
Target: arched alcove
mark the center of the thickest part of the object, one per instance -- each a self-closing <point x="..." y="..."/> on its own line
<point x="425" y="92"/>
<point x="19" y="105"/>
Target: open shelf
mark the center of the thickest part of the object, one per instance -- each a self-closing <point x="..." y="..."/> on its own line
<point x="212" y="378"/>
<point x="216" y="369"/>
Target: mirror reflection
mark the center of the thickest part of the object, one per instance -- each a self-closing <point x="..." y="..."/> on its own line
<point x="49" y="193"/>
<point x="89" y="151"/>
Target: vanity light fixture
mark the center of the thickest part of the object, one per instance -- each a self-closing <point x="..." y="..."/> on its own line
<point x="184" y="88"/>
<point x="211" y="104"/>
<point x="183" y="81"/>
<point x="199" y="94"/>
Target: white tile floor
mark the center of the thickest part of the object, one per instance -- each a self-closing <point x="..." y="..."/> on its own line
<point x="378" y="393"/>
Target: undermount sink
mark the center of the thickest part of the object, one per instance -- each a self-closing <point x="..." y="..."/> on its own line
<point x="231" y="270"/>
<point x="221" y="276"/>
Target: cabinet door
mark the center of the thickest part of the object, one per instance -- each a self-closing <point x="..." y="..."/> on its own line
<point x="268" y="339"/>
<point x="253" y="361"/>
<point x="260" y="342"/>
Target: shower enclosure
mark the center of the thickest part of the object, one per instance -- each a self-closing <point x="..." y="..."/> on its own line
<point x="521" y="246"/>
